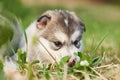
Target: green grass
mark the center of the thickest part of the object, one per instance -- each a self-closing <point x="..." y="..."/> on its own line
<point x="100" y="21"/>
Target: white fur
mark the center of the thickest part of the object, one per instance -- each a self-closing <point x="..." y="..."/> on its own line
<point x="10" y="63"/>
<point x="75" y="35"/>
<point x="43" y="55"/>
<point x="61" y="36"/>
<point x="66" y="22"/>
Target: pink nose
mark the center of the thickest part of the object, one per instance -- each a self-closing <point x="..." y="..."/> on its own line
<point x="71" y="61"/>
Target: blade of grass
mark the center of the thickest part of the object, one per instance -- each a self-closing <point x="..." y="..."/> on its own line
<point x="24" y="34"/>
<point x="48" y="52"/>
<point x="65" y="72"/>
<point x="94" y="51"/>
<point x="102" y="77"/>
<point x="93" y="43"/>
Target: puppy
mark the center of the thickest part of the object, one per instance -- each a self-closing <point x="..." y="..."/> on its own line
<point x="53" y="35"/>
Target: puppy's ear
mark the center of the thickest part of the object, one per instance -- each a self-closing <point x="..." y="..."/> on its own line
<point x="82" y="26"/>
<point x="43" y="21"/>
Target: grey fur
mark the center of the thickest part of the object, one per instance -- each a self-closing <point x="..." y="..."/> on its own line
<point x="57" y="22"/>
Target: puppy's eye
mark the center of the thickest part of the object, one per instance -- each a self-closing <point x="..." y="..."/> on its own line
<point x="58" y="44"/>
<point x="77" y="43"/>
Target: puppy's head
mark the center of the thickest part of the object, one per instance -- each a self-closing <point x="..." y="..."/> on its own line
<point x="60" y="32"/>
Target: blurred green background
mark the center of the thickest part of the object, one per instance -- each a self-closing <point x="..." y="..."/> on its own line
<point x="101" y="17"/>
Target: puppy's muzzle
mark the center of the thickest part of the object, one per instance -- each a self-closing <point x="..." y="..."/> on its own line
<point x="71" y="61"/>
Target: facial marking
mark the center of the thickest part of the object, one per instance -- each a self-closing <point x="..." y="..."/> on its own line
<point x="66" y="22"/>
<point x="61" y="36"/>
<point x="75" y="35"/>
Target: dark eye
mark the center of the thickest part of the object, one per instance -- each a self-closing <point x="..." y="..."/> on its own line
<point x="58" y="44"/>
<point x="77" y="43"/>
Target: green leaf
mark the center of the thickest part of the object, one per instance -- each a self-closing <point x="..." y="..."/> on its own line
<point x="45" y="72"/>
<point x="58" y="71"/>
<point x="64" y="60"/>
<point x="1" y="65"/>
<point x="77" y="65"/>
<point x="85" y="57"/>
<point x="21" y="59"/>
<point x="30" y="72"/>
<point x="47" y="76"/>
<point x="21" y="56"/>
<point x="35" y="62"/>
<point x="96" y="60"/>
